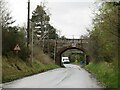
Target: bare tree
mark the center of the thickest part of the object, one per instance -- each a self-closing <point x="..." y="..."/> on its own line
<point x="5" y="18"/>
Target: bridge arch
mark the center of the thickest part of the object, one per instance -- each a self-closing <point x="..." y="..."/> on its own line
<point x="62" y="50"/>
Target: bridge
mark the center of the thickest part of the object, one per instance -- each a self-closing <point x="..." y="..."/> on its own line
<point x="63" y="45"/>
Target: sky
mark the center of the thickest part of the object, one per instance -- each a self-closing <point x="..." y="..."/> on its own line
<point x="69" y="17"/>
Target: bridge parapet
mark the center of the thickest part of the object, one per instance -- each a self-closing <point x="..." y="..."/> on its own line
<point x="71" y="42"/>
<point x="60" y="43"/>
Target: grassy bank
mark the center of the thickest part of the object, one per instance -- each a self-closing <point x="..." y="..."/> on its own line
<point x="15" y="68"/>
<point x="105" y="73"/>
<point x="77" y="63"/>
<point x="0" y="70"/>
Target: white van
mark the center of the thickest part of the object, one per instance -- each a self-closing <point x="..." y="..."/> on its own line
<point x="65" y="60"/>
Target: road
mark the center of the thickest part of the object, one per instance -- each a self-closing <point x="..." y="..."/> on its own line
<point x="72" y="76"/>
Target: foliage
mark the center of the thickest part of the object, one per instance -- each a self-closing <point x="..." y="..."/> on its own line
<point x="40" y="20"/>
<point x="40" y="24"/>
<point x="42" y="29"/>
<point x="103" y="44"/>
<point x="63" y="37"/>
<point x="39" y="55"/>
<point x="11" y="36"/>
<point x="5" y="18"/>
<point x="103" y="40"/>
<point x="18" y="64"/>
<point x="15" y="68"/>
<point x="25" y="53"/>
<point x="105" y="73"/>
<point x="52" y="33"/>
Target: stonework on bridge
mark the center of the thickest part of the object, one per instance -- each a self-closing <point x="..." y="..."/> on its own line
<point x="62" y="45"/>
<point x="71" y="43"/>
<point x="66" y="44"/>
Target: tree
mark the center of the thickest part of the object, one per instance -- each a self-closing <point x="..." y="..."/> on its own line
<point x="104" y="35"/>
<point x="6" y="21"/>
<point x="40" y="21"/>
<point x="63" y="37"/>
<point x="11" y="35"/>
<point x="42" y="29"/>
<point x="5" y="18"/>
<point x="52" y="32"/>
<point x="10" y="38"/>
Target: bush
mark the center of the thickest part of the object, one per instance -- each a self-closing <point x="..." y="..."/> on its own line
<point x="24" y="53"/>
<point x="105" y="73"/>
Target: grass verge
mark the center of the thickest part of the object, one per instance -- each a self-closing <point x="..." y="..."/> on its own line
<point x="105" y="73"/>
<point x="15" y="68"/>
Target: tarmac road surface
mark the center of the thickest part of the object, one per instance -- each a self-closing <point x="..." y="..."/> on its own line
<point x="72" y="76"/>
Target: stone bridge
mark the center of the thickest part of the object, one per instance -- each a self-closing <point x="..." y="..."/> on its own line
<point x="66" y="44"/>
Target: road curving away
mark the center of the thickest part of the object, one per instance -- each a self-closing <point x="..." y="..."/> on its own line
<point x="72" y="76"/>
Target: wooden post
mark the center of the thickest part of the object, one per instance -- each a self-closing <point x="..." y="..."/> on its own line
<point x="28" y="25"/>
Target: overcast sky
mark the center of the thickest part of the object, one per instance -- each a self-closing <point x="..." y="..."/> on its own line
<point x="71" y="17"/>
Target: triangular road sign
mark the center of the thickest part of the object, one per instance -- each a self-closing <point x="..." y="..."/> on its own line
<point x="17" y="48"/>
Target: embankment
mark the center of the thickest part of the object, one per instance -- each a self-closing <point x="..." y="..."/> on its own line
<point x="105" y="72"/>
<point x="14" y="68"/>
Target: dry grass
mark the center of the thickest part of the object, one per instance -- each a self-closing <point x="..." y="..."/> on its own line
<point x="40" y="56"/>
<point x="0" y="69"/>
<point x="14" y="68"/>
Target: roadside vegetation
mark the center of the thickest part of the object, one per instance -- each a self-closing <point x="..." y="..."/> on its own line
<point x="105" y="73"/>
<point x="14" y="68"/>
<point x="103" y="44"/>
<point x="27" y="59"/>
<point x="0" y="69"/>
